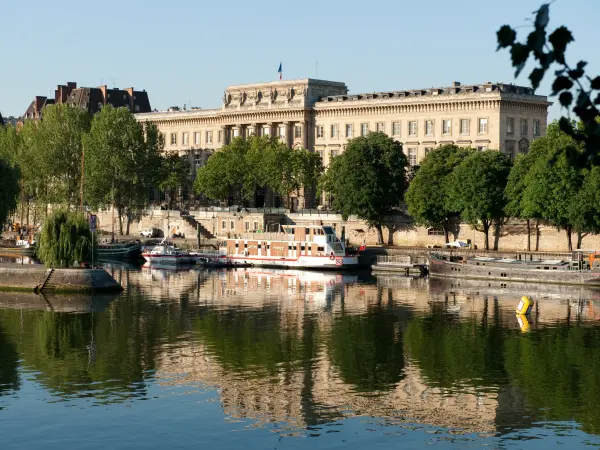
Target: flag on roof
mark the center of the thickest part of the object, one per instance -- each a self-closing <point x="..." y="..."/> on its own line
<point x="280" y="71"/>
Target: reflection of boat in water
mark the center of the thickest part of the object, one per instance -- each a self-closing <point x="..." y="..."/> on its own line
<point x="76" y="303"/>
<point x="17" y="248"/>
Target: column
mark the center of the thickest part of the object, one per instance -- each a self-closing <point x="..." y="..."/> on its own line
<point x="304" y="128"/>
<point x="236" y="131"/>
<point x="288" y="133"/>
<point x="223" y="131"/>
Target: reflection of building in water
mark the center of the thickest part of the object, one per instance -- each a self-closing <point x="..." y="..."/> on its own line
<point x="480" y="299"/>
<point x="305" y="398"/>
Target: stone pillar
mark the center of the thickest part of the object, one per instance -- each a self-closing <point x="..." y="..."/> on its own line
<point x="289" y="133"/>
<point x="224" y="135"/>
<point x="304" y="128"/>
<point x="236" y="131"/>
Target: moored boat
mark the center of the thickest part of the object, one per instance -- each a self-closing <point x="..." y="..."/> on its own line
<point x="295" y="246"/>
<point x="119" y="250"/>
<point x="165" y="253"/>
<point x="573" y="272"/>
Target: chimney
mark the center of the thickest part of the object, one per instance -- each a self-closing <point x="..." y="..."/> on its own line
<point x="455" y="83"/>
<point x="131" y="102"/>
<point x="56" y="94"/>
<point x="39" y="103"/>
<point x="71" y="85"/>
<point x="103" y="90"/>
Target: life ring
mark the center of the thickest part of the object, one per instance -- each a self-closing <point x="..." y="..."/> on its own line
<point x="331" y="257"/>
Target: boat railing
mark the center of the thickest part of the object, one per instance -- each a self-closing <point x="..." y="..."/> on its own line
<point x="383" y="260"/>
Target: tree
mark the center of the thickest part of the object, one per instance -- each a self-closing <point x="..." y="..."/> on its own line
<point x="515" y="188"/>
<point x="66" y="239"/>
<point x="122" y="162"/>
<point x="554" y="180"/>
<point x="584" y="211"/>
<point x="548" y="50"/>
<point x="367" y="180"/>
<point x="476" y="189"/>
<point x="426" y="197"/>
<point x="175" y="174"/>
<point x="9" y="190"/>
<point x="225" y="171"/>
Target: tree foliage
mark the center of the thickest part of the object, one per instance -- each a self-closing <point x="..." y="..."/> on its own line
<point x="9" y="190"/>
<point x="476" y="189"/>
<point x="174" y="174"/>
<point x="65" y="240"/>
<point x="368" y="180"/>
<point x="553" y="181"/>
<point x="575" y="89"/>
<point x="426" y="197"/>
<point x="122" y="162"/>
<point x="244" y="165"/>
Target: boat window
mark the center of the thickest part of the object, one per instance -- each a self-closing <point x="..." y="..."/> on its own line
<point x="237" y="245"/>
<point x="546" y="268"/>
<point x="321" y="249"/>
<point x="289" y="247"/>
<point x="328" y="230"/>
<point x="245" y="245"/>
<point x="259" y="246"/>
<point x="337" y="247"/>
<point x="307" y="230"/>
<point x="302" y="247"/>
<point x="268" y="246"/>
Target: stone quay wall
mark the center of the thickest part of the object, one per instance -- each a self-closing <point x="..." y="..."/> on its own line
<point x="401" y="231"/>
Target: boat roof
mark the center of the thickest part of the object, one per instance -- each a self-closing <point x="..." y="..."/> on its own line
<point x="546" y="262"/>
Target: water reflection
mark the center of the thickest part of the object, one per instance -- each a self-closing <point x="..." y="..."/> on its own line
<point x="302" y="349"/>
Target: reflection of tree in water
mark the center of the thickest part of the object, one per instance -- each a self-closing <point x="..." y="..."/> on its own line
<point x="9" y="364"/>
<point x="251" y="340"/>
<point x="368" y="349"/>
<point x="109" y="352"/>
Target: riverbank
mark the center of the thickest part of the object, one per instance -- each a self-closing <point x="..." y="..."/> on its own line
<point x="37" y="278"/>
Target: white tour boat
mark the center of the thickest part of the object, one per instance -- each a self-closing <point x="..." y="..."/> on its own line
<point x="297" y="246"/>
<point x="165" y="253"/>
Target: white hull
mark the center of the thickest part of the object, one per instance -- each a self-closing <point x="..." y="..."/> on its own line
<point x="304" y="262"/>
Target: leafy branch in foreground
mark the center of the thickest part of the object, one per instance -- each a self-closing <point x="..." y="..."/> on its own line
<point x="548" y="50"/>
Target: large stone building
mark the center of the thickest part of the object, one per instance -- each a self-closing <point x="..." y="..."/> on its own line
<point x="93" y="99"/>
<point x="321" y="116"/>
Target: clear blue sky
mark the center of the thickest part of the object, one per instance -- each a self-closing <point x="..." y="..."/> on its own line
<point x="189" y="50"/>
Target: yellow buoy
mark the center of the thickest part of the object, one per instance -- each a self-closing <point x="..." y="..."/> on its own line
<point x="523" y="322"/>
<point x="525" y="305"/>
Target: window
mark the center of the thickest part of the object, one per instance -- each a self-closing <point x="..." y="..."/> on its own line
<point x="209" y="137"/>
<point x="255" y="225"/>
<point x="173" y="138"/>
<point x="282" y="132"/>
<point x="251" y="131"/>
<point x="349" y="130"/>
<point x="236" y="132"/>
<point x="198" y="159"/>
<point x="380" y="127"/>
<point x="481" y="148"/>
<point x="334" y="131"/>
<point x="320" y="131"/>
<point x="536" y="128"/>
<point x="482" y="127"/>
<point x="509" y="149"/>
<point x="267" y="131"/>
<point x="364" y="129"/>
<point x="297" y="131"/>
<point x="464" y="126"/>
<point x="137" y="108"/>
<point x="524" y="146"/>
<point x="435" y="231"/>
<point x="523" y="127"/>
<point x="185" y="138"/>
<point x="232" y="225"/>
<point x="412" y="128"/>
<point x="247" y="226"/>
<point x="510" y="125"/>
<point x="333" y="153"/>
<point x="396" y="128"/>
<point x="412" y="156"/>
<point x="223" y="224"/>
<point x="427" y="150"/>
<point x="447" y="126"/>
<point x="220" y="136"/>
<point x="320" y="152"/>
<point x="197" y="138"/>
<point x="429" y="127"/>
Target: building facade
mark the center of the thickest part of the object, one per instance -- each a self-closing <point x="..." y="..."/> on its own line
<point x="92" y="99"/>
<point x="321" y="116"/>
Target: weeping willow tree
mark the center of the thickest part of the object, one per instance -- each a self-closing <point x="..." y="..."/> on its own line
<point x="66" y="239"/>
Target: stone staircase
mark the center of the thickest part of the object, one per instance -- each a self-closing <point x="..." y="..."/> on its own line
<point x="195" y="225"/>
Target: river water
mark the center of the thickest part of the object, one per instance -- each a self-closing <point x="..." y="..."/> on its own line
<point x="274" y="359"/>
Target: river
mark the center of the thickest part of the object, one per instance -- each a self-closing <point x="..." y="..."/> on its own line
<point x="274" y="359"/>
